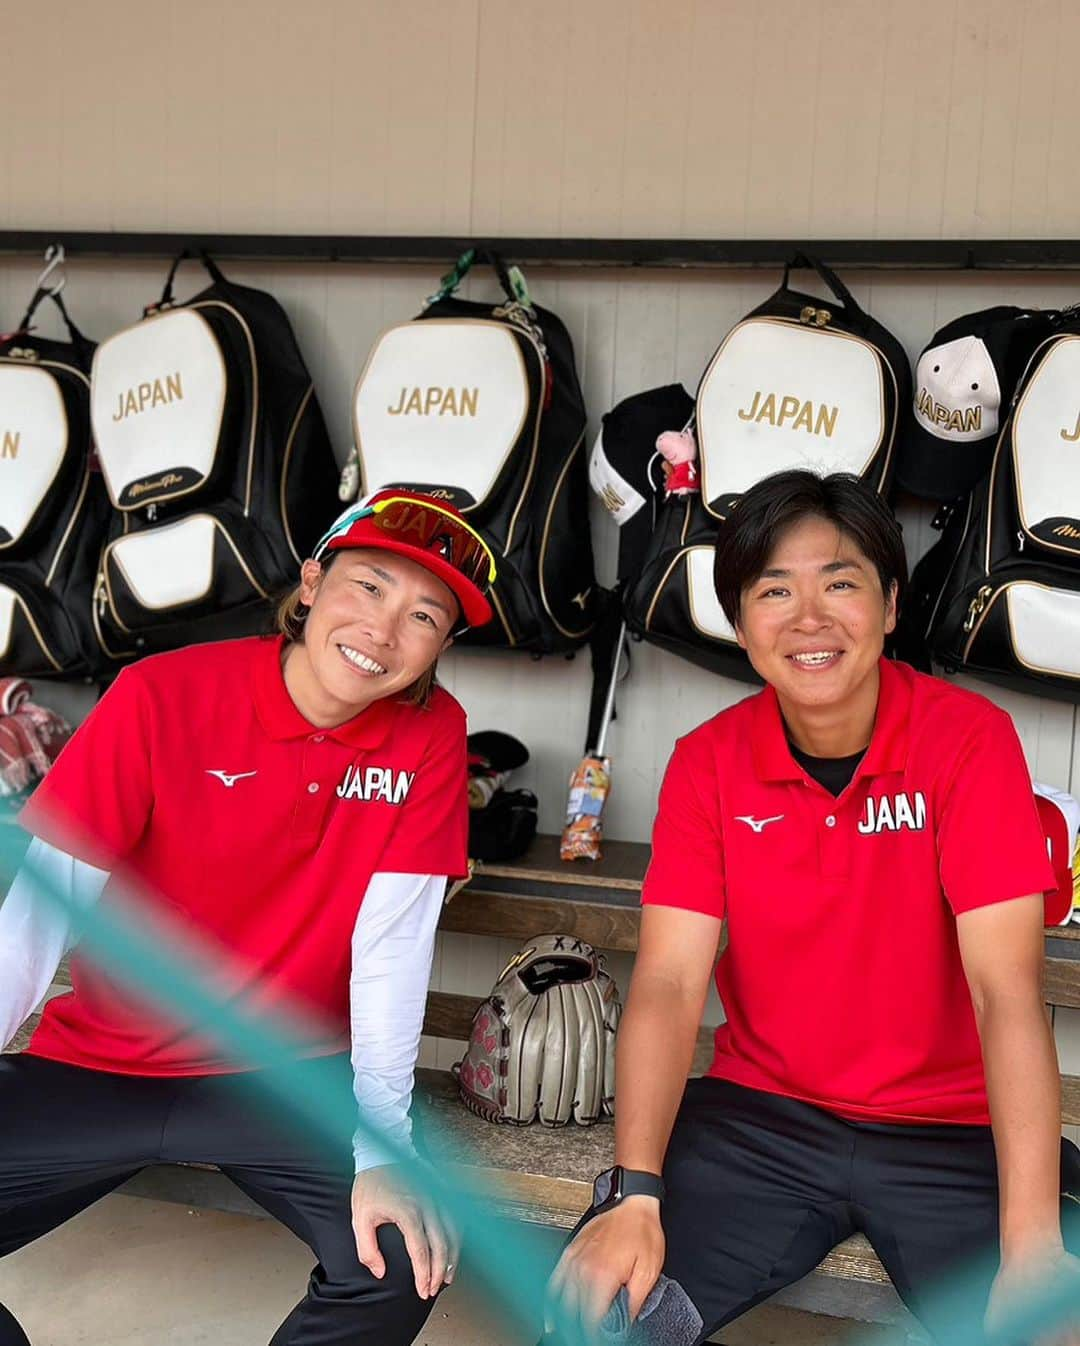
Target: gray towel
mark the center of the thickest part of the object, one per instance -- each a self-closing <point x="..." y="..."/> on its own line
<point x="667" y="1318"/>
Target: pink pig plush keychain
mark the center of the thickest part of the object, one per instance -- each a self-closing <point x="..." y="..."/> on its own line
<point x="678" y="448"/>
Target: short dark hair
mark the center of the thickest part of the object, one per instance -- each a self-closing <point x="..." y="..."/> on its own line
<point x="749" y="534"/>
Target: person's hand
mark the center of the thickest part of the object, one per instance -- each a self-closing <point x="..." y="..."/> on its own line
<point x="621" y="1246"/>
<point x="1021" y="1279"/>
<point x="380" y="1196"/>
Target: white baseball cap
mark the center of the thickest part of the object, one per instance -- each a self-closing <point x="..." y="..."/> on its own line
<point x="964" y="383"/>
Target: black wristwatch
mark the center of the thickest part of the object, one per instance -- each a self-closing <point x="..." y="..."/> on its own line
<point x="613" y="1184"/>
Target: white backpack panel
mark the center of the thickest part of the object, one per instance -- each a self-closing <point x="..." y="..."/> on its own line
<point x="33" y="441"/>
<point x="781" y="395"/>
<point x="1045" y="627"/>
<point x="441" y="401"/>
<point x="157" y="397"/>
<point x="1046" y="438"/>
<point x="708" y="616"/>
<point x="169" y="566"/>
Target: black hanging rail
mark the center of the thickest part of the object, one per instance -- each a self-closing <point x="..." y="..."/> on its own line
<point x="689" y="253"/>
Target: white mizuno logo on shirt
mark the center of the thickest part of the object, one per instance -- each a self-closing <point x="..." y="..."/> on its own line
<point x="230" y="780"/>
<point x="757" y="824"/>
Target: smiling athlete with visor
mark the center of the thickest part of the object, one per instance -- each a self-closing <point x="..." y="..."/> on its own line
<point x="870" y="836"/>
<point x="292" y="808"/>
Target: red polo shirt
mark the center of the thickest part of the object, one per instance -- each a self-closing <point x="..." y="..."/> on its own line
<point x="842" y="981"/>
<point x="249" y="833"/>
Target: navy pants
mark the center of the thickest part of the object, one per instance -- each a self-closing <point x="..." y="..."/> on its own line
<point x="761" y="1187"/>
<point x="70" y="1135"/>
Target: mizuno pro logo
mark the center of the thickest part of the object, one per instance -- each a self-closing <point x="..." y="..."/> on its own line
<point x="230" y="780"/>
<point x="757" y="824"/>
<point x="890" y="814"/>
<point x="376" y="782"/>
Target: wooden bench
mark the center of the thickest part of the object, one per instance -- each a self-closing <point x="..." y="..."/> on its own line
<point x="544" y="1175"/>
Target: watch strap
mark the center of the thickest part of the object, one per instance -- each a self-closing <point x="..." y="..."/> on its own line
<point x="636" y="1182"/>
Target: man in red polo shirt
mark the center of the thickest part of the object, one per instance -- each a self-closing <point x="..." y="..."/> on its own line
<point x="870" y="836"/>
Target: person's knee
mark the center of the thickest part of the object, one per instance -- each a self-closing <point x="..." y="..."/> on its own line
<point x="399" y="1268"/>
<point x="347" y="1278"/>
<point x="345" y="1302"/>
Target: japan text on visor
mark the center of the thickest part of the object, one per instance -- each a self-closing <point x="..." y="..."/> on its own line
<point x="429" y="532"/>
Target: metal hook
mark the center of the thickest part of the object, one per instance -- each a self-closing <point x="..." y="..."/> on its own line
<point x="54" y="260"/>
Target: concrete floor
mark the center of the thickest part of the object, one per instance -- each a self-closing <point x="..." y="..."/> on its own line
<point x="136" y="1272"/>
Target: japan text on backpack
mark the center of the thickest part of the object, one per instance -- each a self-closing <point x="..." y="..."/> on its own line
<point x="435" y="401"/>
<point x="156" y="394"/>
<point x="779" y="410"/>
<point x="1074" y="433"/>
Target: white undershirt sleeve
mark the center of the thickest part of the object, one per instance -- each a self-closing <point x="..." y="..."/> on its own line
<point x="392" y="947"/>
<point x="34" y="932"/>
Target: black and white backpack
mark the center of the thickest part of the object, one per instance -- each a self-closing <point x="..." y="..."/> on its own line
<point x="53" y="507"/>
<point x="480" y="405"/>
<point x="217" y="463"/>
<point x="999" y="596"/>
<point x="800" y="382"/>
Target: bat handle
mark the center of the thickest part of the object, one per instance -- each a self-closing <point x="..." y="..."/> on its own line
<point x="609" y="702"/>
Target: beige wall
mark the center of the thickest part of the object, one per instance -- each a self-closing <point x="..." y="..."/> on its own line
<point x="723" y="118"/>
<point x="563" y="117"/>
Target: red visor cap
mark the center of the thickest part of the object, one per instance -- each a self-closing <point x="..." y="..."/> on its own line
<point x="365" y="532"/>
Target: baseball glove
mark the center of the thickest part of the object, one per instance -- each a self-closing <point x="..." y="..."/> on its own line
<point x="543" y="1043"/>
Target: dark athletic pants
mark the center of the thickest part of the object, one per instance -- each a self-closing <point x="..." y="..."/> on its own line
<point x="760" y="1188"/>
<point x="69" y="1136"/>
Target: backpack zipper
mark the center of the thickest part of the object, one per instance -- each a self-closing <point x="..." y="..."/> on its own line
<point x="975" y="609"/>
<point x="815" y="317"/>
